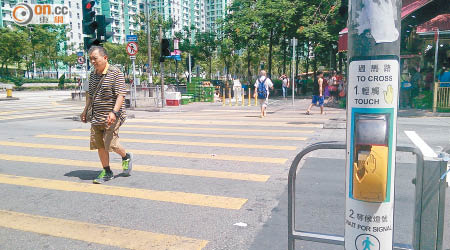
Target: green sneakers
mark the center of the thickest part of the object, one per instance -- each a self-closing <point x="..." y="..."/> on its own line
<point x="127" y="165"/>
<point x="103" y="176"/>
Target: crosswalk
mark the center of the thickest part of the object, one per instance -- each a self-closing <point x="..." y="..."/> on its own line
<point x="195" y="175"/>
<point x="31" y="106"/>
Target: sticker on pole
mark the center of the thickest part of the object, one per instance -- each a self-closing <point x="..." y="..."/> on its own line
<point x="372" y="93"/>
<point x="132" y="48"/>
<point x="373" y="83"/>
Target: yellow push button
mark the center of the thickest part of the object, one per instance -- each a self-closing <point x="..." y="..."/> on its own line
<point x="370" y="171"/>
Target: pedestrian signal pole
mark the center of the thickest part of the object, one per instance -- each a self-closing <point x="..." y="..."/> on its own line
<point x="294" y="44"/>
<point x="372" y="103"/>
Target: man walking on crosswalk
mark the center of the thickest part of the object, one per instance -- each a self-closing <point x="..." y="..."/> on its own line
<point x="106" y="97"/>
<point x="262" y="85"/>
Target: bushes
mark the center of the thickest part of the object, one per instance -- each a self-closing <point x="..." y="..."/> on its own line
<point x="424" y="100"/>
<point x="61" y="81"/>
<point x="18" y="81"/>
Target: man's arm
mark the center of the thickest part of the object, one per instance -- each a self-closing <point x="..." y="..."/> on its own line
<point x="111" y="116"/>
<point x="88" y="102"/>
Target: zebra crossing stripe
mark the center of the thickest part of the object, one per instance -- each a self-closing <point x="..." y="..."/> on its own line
<point x="223" y="157"/>
<point x="185" y="128"/>
<point x="227" y="123"/>
<point x="142" y="168"/>
<point x="188" y="143"/>
<point x="192" y="199"/>
<point x="96" y="233"/>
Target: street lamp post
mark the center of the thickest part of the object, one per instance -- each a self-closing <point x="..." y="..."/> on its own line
<point x="162" y="68"/>
<point x="149" y="42"/>
<point x="294" y="44"/>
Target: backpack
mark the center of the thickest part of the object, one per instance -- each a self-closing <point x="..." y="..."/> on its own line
<point x="262" y="91"/>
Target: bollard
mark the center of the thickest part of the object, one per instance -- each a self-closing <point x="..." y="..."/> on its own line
<point x="436" y="86"/>
<point x="223" y="97"/>
<point x="9" y="93"/>
<point x="229" y="96"/>
<point x="249" y="97"/>
<point x="243" y="97"/>
<point x="256" y="99"/>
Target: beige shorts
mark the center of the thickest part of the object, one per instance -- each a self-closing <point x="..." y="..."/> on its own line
<point x="105" y="137"/>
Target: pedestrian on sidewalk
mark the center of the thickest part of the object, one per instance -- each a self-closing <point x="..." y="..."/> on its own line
<point x="317" y="93"/>
<point x="262" y="85"/>
<point x="106" y="95"/>
<point x="284" y="84"/>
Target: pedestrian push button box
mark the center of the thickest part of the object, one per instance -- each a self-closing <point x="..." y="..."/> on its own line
<point x="370" y="157"/>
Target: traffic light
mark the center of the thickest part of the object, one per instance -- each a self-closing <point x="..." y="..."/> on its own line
<point x="102" y="34"/>
<point x="89" y="24"/>
<point x="165" y="44"/>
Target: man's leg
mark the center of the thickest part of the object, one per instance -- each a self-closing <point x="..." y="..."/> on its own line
<point x="321" y="101"/>
<point x="127" y="159"/>
<point x="97" y="133"/>
<point x="313" y="102"/>
<point x="106" y="173"/>
<point x="112" y="142"/>
<point x="309" y="109"/>
<point x="104" y="157"/>
<point x="120" y="151"/>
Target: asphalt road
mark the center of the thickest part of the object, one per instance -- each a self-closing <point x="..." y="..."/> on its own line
<point x="205" y="177"/>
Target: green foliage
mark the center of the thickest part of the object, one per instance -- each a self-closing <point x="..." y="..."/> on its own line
<point x="18" y="81"/>
<point x="61" y="81"/>
<point x="40" y="45"/>
<point x="424" y="100"/>
<point x="277" y="83"/>
<point x="343" y="103"/>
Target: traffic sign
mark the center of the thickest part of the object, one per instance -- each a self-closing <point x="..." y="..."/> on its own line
<point x="81" y="60"/>
<point x="133" y="57"/>
<point x="132" y="38"/>
<point x="80" y="53"/>
<point x="132" y="48"/>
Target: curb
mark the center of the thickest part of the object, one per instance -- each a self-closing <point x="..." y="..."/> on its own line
<point x="9" y="99"/>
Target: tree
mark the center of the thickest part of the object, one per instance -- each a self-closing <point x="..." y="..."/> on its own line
<point x="244" y="28"/>
<point x="14" y="47"/>
<point x="205" y="45"/>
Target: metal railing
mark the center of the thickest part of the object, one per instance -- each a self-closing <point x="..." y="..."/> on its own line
<point x="441" y="96"/>
<point x="429" y="203"/>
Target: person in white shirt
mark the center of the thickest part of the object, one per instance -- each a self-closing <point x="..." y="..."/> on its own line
<point x="284" y="85"/>
<point x="237" y="89"/>
<point x="262" y="85"/>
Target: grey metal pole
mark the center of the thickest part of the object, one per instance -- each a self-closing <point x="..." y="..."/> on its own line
<point x="134" y="82"/>
<point x="436" y="53"/>
<point x="190" y="72"/>
<point x="162" y="69"/>
<point x="149" y="43"/>
<point x="372" y="104"/>
<point x="294" y="43"/>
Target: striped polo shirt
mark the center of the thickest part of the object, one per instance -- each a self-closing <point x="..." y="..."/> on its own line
<point x="105" y="99"/>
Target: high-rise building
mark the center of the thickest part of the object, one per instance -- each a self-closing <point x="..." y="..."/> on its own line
<point x="215" y="12"/>
<point x="183" y="13"/>
<point x="124" y="14"/>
